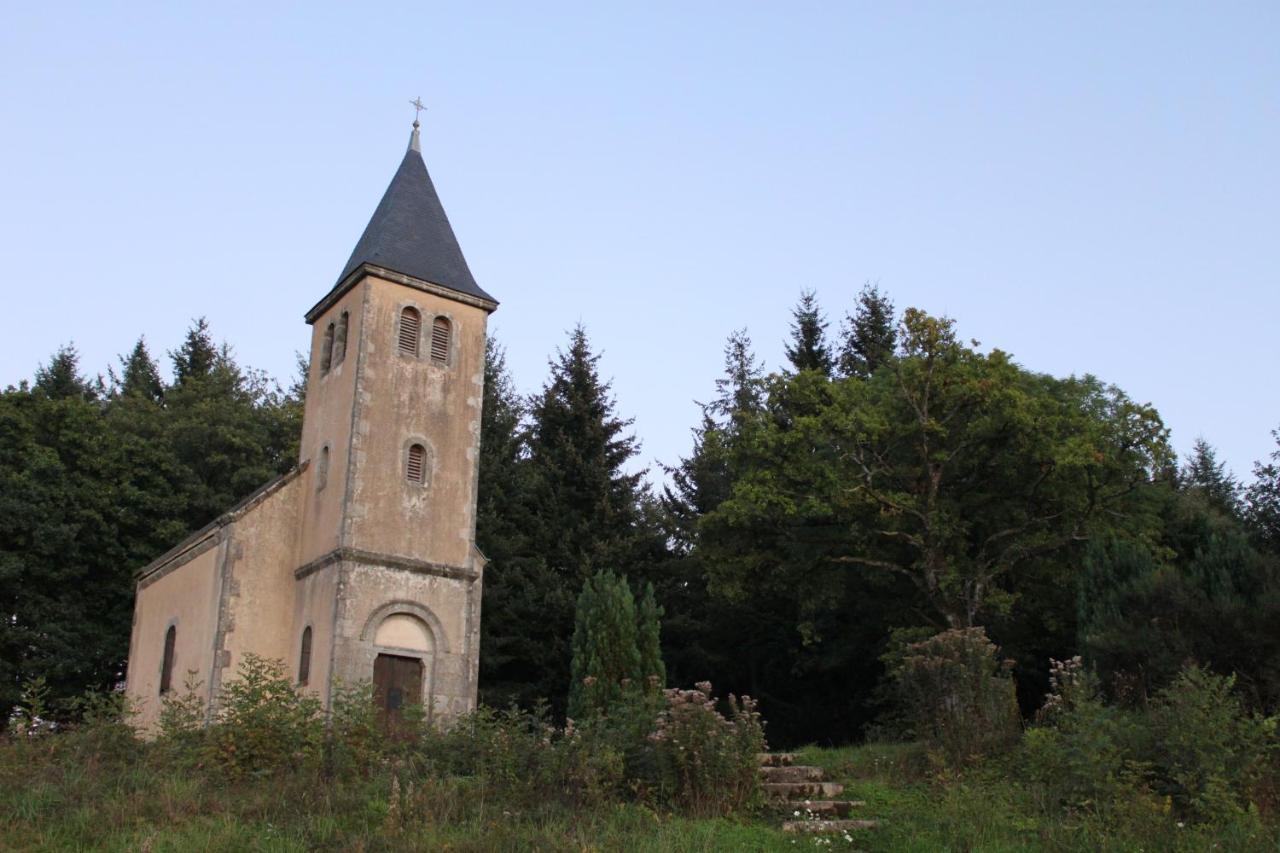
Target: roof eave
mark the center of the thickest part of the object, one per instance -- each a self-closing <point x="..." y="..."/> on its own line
<point x="365" y="269"/>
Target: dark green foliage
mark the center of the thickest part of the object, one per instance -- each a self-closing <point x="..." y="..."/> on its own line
<point x="556" y="500"/>
<point x="197" y="355"/>
<point x="1195" y="746"/>
<point x="868" y="336"/>
<point x="1207" y="595"/>
<point x="808" y="348"/>
<point x="139" y="375"/>
<point x="1262" y="501"/>
<point x="95" y="482"/>
<point x="606" y="657"/>
<point x="1204" y="474"/>
<point x="616" y="646"/>
<point x="957" y="695"/>
<point x="578" y="448"/>
<point x="649" y="637"/>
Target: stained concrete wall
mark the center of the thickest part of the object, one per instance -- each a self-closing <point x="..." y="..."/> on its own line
<point x="315" y="605"/>
<point x="449" y="607"/>
<point x="187" y="598"/>
<point x="367" y="545"/>
<point x="327" y="421"/>
<point x="404" y="400"/>
<point x="258" y="585"/>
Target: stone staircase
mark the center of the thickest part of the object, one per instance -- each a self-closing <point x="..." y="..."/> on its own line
<point x="801" y="789"/>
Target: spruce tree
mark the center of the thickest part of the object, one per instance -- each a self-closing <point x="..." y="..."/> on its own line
<point x="1262" y="500"/>
<point x="649" y="637"/>
<point x="808" y="349"/>
<point x="140" y="376"/>
<point x="606" y="653"/>
<point x="1203" y="474"/>
<point x="60" y="379"/>
<point x="516" y="641"/>
<point x="578" y="448"/>
<point x="868" y="336"/>
<point x="197" y="356"/>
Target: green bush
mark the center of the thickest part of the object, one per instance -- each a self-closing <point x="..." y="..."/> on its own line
<point x="1195" y="750"/>
<point x="264" y="723"/>
<point x="957" y="696"/>
<point x="1081" y="755"/>
<point x="1209" y="754"/>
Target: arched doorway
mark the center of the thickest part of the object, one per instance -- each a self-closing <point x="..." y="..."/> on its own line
<point x="404" y="648"/>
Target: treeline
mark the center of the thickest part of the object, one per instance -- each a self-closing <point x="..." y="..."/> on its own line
<point x="889" y="483"/>
<point x="99" y="476"/>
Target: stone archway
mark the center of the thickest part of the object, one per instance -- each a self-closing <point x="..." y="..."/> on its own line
<point x="403" y="640"/>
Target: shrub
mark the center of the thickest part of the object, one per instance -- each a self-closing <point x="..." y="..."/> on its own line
<point x="711" y="763"/>
<point x="957" y="695"/>
<point x="264" y="723"/>
<point x="615" y="645"/>
<point x="354" y="740"/>
<point x="1081" y="754"/>
<point x="1209" y="753"/>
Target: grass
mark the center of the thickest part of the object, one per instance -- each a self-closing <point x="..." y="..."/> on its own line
<point x="64" y="799"/>
<point x="986" y="810"/>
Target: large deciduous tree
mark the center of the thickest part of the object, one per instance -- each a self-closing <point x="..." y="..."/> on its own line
<point x="951" y="469"/>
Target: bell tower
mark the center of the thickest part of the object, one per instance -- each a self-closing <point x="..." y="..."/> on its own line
<point x="389" y="577"/>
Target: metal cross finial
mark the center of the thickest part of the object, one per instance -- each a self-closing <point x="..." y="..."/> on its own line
<point x="418" y="107"/>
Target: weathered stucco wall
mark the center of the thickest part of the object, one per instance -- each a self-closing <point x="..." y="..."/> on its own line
<point x="327" y="421"/>
<point x="403" y="400"/>
<point x="368" y="544"/>
<point x="315" y="605"/>
<point x="258" y="583"/>
<point x="187" y="598"/>
<point x="369" y="594"/>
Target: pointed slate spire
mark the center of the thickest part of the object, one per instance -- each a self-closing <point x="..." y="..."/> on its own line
<point x="410" y="233"/>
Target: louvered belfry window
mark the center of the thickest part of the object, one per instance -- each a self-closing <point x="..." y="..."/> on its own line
<point x="410" y="330"/>
<point x="339" y="341"/>
<point x="326" y="350"/>
<point x="416" y="465"/>
<point x="440" y="340"/>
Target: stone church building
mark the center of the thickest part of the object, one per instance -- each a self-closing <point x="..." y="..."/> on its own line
<point x="360" y="564"/>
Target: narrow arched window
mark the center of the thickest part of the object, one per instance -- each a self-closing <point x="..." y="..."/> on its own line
<point x="304" y="658"/>
<point x="440" y="330"/>
<point x="166" y="664"/>
<point x="415" y="468"/>
<point x="326" y="351"/>
<point x="340" y="340"/>
<point x="410" y="330"/>
<point x="322" y="468"/>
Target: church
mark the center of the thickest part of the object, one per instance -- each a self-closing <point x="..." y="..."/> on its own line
<point x="360" y="564"/>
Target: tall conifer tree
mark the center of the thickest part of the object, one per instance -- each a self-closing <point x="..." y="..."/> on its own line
<point x="868" y="336"/>
<point x="808" y="349"/>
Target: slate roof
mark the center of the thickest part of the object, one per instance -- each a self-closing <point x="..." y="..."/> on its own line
<point x="410" y="233"/>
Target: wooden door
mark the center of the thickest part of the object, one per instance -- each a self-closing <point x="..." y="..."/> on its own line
<point x="397" y="682"/>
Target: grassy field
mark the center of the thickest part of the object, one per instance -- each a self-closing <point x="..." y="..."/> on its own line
<point x="56" y="802"/>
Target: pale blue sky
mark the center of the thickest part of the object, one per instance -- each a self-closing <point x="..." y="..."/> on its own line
<point x="1092" y="187"/>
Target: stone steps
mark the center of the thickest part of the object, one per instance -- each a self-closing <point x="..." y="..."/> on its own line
<point x="801" y="790"/>
<point x="828" y="826"/>
<point x="826" y="808"/>
<point x="792" y="773"/>
<point x="792" y="792"/>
